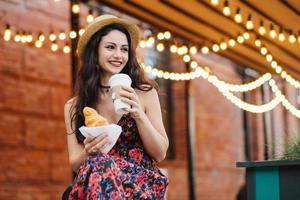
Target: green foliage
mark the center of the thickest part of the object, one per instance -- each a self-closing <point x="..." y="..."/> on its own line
<point x="292" y="151"/>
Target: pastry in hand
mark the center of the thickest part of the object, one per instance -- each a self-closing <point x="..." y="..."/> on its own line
<point x="92" y="118"/>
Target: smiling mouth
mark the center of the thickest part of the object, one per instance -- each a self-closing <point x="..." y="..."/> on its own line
<point x="115" y="63"/>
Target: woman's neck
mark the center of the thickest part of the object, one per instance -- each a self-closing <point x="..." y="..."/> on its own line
<point x="104" y="86"/>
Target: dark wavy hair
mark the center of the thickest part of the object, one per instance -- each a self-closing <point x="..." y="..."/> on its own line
<point x="88" y="89"/>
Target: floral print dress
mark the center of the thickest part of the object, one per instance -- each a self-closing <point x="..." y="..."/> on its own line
<point x="126" y="172"/>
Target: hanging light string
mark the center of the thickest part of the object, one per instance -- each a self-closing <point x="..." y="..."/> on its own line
<point x="227" y="89"/>
<point x="183" y="50"/>
<point x="244" y="87"/>
<point x="39" y="39"/>
<point x="275" y="65"/>
<point x="280" y="33"/>
<point x="187" y="52"/>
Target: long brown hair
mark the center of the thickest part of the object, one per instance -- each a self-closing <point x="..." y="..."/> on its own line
<point x="87" y="89"/>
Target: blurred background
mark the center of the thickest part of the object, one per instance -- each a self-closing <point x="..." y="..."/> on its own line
<point x="229" y="88"/>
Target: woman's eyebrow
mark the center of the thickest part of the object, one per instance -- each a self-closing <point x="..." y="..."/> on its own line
<point x="116" y="44"/>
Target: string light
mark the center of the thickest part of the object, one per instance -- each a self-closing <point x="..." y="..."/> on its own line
<point x="263" y="51"/>
<point x="269" y="57"/>
<point x="231" y="42"/>
<point x="54" y="46"/>
<point x="272" y="32"/>
<point x="167" y="35"/>
<point x="193" y="64"/>
<point x="186" y="58"/>
<point x="17" y="37"/>
<point x="262" y="29"/>
<point x="214" y="2"/>
<point x="29" y="38"/>
<point x="75" y="8"/>
<point x="41" y="37"/>
<point x="257" y="43"/>
<point x="150" y="42"/>
<point x="281" y="35"/>
<point x="62" y="35"/>
<point x="292" y="38"/>
<point x="173" y="48"/>
<point x="193" y="50"/>
<point x="23" y="37"/>
<point x="81" y="31"/>
<point x="7" y="33"/>
<point x="246" y="87"/>
<point x="205" y="50"/>
<point x="249" y="23"/>
<point x="160" y="36"/>
<point x="240" y="39"/>
<point x="226" y="9"/>
<point x="73" y="34"/>
<point x="226" y="89"/>
<point x="223" y="46"/>
<point x="38" y="44"/>
<point x="160" y="47"/>
<point x="90" y="16"/>
<point x="238" y="17"/>
<point x="66" y="48"/>
<point x="215" y="47"/>
<point x="279" y="69"/>
<point x="52" y="37"/>
<point x="246" y="35"/>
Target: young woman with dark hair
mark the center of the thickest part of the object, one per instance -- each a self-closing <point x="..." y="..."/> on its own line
<point x="128" y="170"/>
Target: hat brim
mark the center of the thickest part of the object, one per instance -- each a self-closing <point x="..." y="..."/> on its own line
<point x="104" y="20"/>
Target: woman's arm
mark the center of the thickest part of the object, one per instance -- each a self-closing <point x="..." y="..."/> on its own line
<point x="79" y="152"/>
<point x="149" y="123"/>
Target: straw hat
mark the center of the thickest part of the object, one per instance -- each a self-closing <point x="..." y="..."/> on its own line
<point x="100" y="22"/>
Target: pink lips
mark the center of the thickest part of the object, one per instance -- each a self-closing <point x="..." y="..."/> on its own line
<point x="115" y="63"/>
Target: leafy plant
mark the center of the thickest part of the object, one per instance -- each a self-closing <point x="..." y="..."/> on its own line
<point x="292" y="150"/>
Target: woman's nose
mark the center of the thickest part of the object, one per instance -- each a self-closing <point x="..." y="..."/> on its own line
<point x="117" y="53"/>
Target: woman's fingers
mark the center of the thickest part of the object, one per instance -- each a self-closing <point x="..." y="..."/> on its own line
<point x="129" y="101"/>
<point x="127" y="95"/>
<point x="96" y="144"/>
<point x="128" y="89"/>
<point x="101" y="145"/>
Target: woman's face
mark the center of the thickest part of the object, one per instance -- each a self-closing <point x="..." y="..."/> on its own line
<point x="113" y="52"/>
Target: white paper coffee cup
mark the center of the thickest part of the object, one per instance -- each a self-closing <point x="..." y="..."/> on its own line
<point x="115" y="82"/>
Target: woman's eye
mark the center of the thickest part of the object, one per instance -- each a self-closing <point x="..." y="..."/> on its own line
<point x="110" y="47"/>
<point x="125" y="49"/>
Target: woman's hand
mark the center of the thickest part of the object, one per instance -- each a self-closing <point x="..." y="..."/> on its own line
<point x="95" y="145"/>
<point x="128" y="95"/>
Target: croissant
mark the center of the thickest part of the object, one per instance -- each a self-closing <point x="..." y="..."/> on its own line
<point x="92" y="118"/>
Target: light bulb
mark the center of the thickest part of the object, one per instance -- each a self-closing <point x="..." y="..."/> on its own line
<point x="75" y="8"/>
<point x="272" y="32"/>
<point x="231" y="42"/>
<point x="249" y="24"/>
<point x="160" y="47"/>
<point x="262" y="29"/>
<point x="238" y="17"/>
<point x="193" y="50"/>
<point x="173" y="48"/>
<point x="281" y="36"/>
<point x="7" y="33"/>
<point x="205" y="50"/>
<point x="226" y="9"/>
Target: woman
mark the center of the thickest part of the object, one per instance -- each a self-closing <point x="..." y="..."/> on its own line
<point x="128" y="170"/>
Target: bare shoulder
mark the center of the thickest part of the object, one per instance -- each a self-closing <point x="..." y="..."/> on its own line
<point x="146" y="95"/>
<point x="68" y="105"/>
<point x="71" y="101"/>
